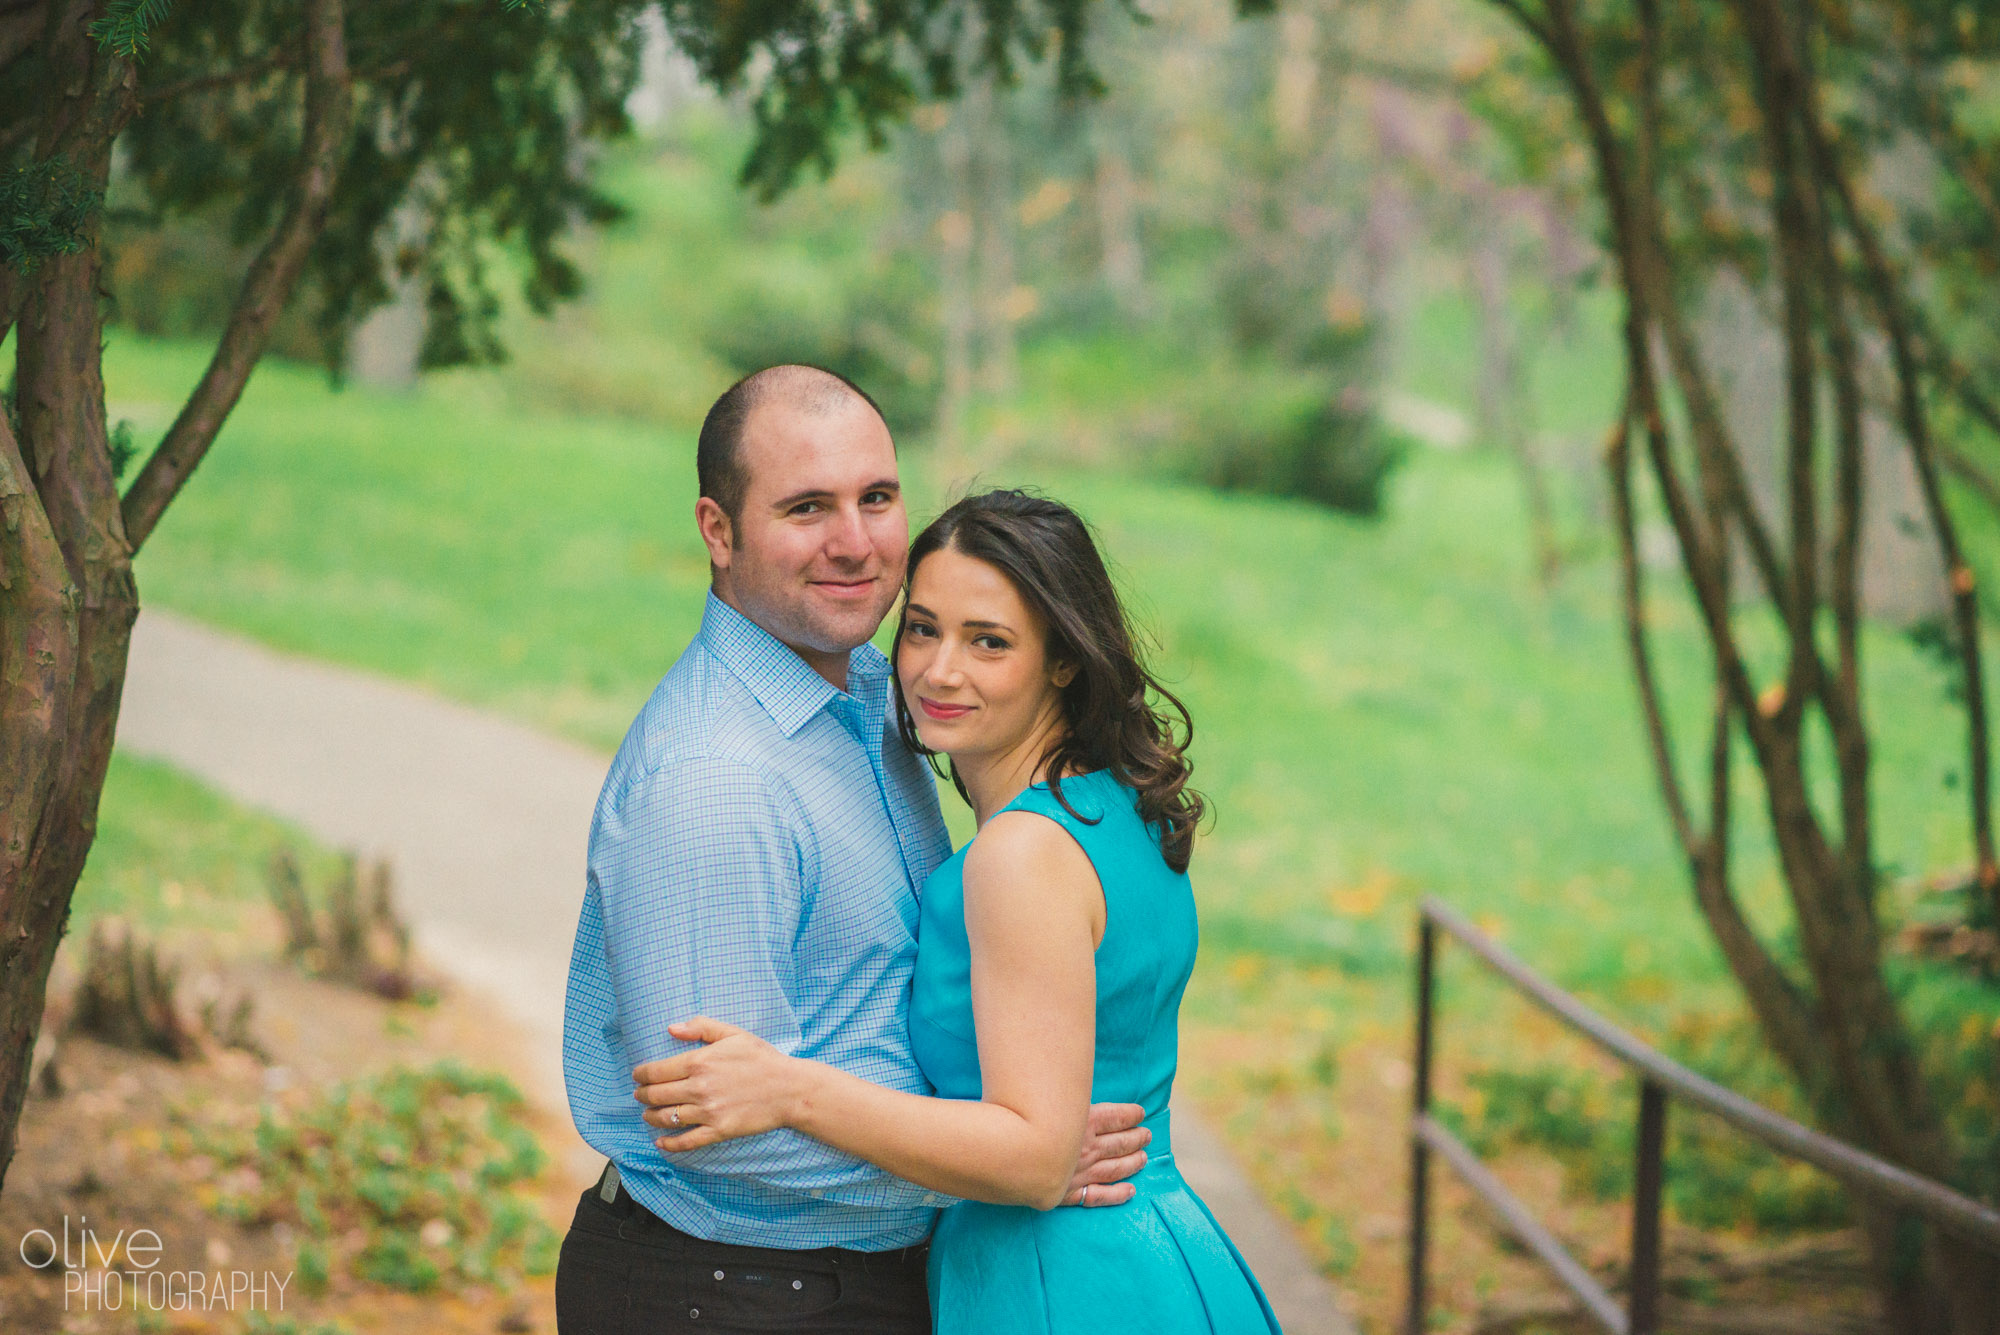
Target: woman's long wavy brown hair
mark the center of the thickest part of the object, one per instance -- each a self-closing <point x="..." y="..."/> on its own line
<point x="1119" y="716"/>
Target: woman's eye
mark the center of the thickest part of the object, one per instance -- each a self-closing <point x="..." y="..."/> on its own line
<point x="990" y="642"/>
<point x="918" y="630"/>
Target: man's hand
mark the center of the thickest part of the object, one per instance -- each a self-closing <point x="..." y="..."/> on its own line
<point x="1114" y="1148"/>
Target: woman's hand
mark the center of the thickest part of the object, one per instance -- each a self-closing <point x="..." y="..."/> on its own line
<point x="735" y="1085"/>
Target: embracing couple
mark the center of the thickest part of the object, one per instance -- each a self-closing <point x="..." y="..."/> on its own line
<point x="847" y="1079"/>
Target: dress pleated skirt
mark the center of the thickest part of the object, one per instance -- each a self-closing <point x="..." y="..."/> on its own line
<point x="1157" y="1265"/>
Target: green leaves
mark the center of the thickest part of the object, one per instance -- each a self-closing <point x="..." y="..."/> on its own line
<point x="467" y="171"/>
<point x="44" y="207"/>
<point x="469" y="166"/>
<point x="816" y="71"/>
<point x="410" y="1179"/>
<point x="126" y="27"/>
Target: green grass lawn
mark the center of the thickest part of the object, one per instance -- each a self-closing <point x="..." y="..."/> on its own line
<point x="172" y="854"/>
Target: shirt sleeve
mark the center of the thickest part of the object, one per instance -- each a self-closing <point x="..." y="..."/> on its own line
<point x="702" y="875"/>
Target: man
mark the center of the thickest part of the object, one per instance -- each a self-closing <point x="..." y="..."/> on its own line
<point x="755" y="856"/>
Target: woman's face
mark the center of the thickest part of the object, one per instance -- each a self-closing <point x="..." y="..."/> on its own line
<point x="973" y="660"/>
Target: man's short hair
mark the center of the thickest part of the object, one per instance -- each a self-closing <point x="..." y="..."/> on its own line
<point x="718" y="454"/>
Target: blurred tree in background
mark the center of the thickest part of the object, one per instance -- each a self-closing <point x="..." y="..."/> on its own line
<point x="1826" y="171"/>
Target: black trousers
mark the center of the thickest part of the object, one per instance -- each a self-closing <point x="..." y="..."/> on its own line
<point x="624" y="1271"/>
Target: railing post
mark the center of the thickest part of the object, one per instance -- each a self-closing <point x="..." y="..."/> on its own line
<point x="1645" y="1293"/>
<point x="1420" y="1156"/>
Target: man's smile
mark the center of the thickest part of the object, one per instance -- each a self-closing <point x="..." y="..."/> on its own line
<point x="845" y="589"/>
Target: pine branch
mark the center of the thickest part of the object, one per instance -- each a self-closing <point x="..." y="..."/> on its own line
<point x="43" y="208"/>
<point x="126" y="27"/>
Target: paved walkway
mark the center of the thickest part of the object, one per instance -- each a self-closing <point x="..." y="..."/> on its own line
<point x="486" y="822"/>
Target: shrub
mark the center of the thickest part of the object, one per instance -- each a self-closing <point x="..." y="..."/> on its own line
<point x="1280" y="433"/>
<point x="410" y="1179"/>
<point x="1716" y="1177"/>
<point x="872" y="336"/>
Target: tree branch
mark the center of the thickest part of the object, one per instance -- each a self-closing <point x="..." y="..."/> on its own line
<point x="268" y="285"/>
<point x="38" y="643"/>
<point x="1783" y="83"/>
<point x="390" y="58"/>
<point x="1787" y="1016"/>
<point x="1715" y="452"/>
<point x="279" y="58"/>
<point x="1886" y="291"/>
<point x="1957" y="381"/>
<point x="1961" y="466"/>
<point x="1536" y="28"/>
<point x="1843" y="357"/>
<point x="1634" y="243"/>
<point x="1775" y="80"/>
<point x="1618" y="464"/>
<point x="1802" y="844"/>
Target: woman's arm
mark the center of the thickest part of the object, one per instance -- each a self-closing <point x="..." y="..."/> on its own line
<point x="1034" y="912"/>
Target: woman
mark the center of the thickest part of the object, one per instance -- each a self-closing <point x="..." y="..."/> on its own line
<point x="1052" y="954"/>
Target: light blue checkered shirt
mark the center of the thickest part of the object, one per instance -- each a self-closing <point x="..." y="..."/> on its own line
<point x="755" y="857"/>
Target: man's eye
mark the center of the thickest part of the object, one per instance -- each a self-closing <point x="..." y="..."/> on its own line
<point x="878" y="498"/>
<point x="804" y="507"/>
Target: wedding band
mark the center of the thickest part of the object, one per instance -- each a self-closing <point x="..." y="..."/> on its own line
<point x="1083" y="1197"/>
<point x="674" y="1116"/>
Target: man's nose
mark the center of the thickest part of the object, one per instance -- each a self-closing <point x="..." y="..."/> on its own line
<point x="847" y="537"/>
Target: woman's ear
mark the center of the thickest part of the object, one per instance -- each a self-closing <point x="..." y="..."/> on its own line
<point x="1064" y="674"/>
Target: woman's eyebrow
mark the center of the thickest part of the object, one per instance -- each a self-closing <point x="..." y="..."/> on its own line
<point x="923" y="611"/>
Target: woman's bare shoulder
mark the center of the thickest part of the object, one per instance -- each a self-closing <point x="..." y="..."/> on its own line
<point x="1019" y="846"/>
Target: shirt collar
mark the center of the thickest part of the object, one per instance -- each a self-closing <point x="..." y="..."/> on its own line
<point x="788" y="688"/>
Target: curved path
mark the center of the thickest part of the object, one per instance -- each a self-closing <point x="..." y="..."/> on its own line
<point x="486" y="820"/>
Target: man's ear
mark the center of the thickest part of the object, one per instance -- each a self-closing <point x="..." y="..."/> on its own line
<point x="717" y="533"/>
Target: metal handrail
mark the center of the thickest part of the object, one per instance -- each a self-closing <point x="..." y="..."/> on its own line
<point x="1659" y="1075"/>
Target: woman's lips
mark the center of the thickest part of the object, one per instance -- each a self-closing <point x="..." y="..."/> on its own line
<point x="943" y="713"/>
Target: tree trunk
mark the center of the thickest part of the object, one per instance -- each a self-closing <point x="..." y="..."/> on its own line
<point x="67" y="600"/>
<point x="67" y="597"/>
<point x="1841" y="1032"/>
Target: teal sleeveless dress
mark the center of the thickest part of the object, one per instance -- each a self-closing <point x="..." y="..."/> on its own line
<point x="1159" y="1264"/>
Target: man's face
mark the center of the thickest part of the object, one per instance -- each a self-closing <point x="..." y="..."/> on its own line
<point x="816" y="554"/>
